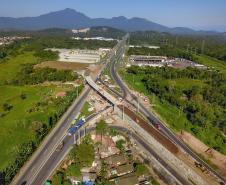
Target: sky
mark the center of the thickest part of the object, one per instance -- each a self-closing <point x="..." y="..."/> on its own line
<point x="196" y="14"/>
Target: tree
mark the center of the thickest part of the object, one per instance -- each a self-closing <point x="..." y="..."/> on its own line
<point x="119" y="145"/>
<point x="23" y="96"/>
<point x="83" y="155"/>
<point x="58" y="178"/>
<point x="140" y="169"/>
<point x="195" y="90"/>
<point x="101" y="128"/>
<point x="73" y="171"/>
<point x="7" y="107"/>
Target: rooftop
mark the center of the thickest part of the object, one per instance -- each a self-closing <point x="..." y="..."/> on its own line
<point x="116" y="160"/>
<point x="130" y="179"/>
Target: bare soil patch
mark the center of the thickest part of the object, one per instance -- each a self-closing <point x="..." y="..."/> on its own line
<point x="152" y="131"/>
<point x="63" y="65"/>
<point x="214" y="156"/>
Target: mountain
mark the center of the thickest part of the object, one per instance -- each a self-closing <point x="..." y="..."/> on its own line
<point x="101" y="31"/>
<point x="133" y="24"/>
<point x="69" y="18"/>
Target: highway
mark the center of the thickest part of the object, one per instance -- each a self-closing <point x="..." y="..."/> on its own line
<point x="69" y="141"/>
<point x="58" y="155"/>
<point x="127" y="95"/>
<point x="32" y="168"/>
<point x="46" y="158"/>
<point x="143" y="143"/>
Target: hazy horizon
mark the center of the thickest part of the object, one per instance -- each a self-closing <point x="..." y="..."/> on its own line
<point x="201" y="15"/>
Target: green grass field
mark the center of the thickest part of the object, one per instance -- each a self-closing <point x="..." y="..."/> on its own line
<point x="84" y="112"/>
<point x="170" y="114"/>
<point x="18" y="125"/>
<point x="9" y="69"/>
<point x="184" y="83"/>
<point x="212" y="62"/>
<point x="166" y="111"/>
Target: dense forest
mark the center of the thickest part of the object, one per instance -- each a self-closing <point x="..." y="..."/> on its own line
<point x="9" y="50"/>
<point x="68" y="43"/>
<point x="30" y="76"/>
<point x="211" y="45"/>
<point x="168" y="51"/>
<point x="204" y="105"/>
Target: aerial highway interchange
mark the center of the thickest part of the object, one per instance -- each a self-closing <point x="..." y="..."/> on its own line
<point x="47" y="158"/>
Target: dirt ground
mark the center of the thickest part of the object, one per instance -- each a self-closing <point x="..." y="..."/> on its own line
<point x="63" y="65"/>
<point x="156" y="134"/>
<point x="214" y="156"/>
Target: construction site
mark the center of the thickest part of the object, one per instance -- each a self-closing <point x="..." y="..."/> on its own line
<point x="81" y="56"/>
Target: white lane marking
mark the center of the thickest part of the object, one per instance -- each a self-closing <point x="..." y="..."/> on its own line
<point x="45" y="151"/>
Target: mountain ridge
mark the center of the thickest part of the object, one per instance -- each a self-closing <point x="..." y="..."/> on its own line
<point x="72" y="19"/>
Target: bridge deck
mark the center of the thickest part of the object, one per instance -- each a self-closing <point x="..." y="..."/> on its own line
<point x="100" y="90"/>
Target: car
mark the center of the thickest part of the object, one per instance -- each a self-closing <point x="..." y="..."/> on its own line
<point x="60" y="146"/>
<point x="24" y="183"/>
<point x="158" y="126"/>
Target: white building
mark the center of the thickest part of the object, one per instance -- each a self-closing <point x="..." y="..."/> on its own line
<point x="84" y="30"/>
<point x="155" y="61"/>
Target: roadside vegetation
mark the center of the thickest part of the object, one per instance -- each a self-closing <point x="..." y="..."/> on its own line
<point x="38" y="43"/>
<point x="187" y="99"/>
<point x="83" y="155"/>
<point x="30" y="76"/>
<point x="31" y="112"/>
<point x="29" y="106"/>
<point x="80" y="156"/>
<point x="210" y="45"/>
<point x="168" y="51"/>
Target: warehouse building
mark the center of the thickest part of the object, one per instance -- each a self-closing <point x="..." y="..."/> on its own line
<point x="156" y="61"/>
<point x="161" y="61"/>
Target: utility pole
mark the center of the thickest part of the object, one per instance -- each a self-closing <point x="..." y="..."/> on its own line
<point x="166" y="41"/>
<point x="203" y="46"/>
<point x="188" y="45"/>
<point x="79" y="137"/>
<point x="123" y="113"/>
<point x="74" y="138"/>
<point x="138" y="106"/>
<point x="176" y="40"/>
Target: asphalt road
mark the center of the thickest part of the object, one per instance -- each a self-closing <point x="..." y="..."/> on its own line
<point x="152" y="118"/>
<point x="141" y="142"/>
<point x="46" y="159"/>
<point x="69" y="141"/>
<point x="60" y="152"/>
<point x="34" y="167"/>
